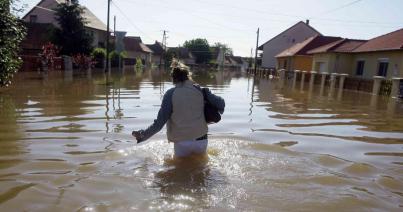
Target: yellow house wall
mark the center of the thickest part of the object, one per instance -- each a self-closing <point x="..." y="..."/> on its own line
<point x="342" y="64"/>
<point x="303" y="63"/>
<point x="395" y="67"/>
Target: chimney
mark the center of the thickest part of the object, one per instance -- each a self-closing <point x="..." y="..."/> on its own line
<point x="307" y="22"/>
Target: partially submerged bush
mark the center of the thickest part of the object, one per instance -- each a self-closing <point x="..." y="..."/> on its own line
<point x="99" y="55"/>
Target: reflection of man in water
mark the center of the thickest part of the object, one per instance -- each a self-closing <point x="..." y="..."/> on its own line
<point x="182" y="109"/>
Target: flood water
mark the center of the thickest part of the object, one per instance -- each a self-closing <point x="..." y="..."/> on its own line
<point x="66" y="145"/>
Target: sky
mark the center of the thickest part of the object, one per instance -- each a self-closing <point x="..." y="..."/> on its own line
<point x="235" y="22"/>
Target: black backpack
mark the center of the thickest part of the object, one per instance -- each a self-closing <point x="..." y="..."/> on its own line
<point x="211" y="113"/>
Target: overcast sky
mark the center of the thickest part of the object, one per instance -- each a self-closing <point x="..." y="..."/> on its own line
<point x="235" y="22"/>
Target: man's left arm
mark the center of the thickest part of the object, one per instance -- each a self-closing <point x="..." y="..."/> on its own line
<point x="163" y="115"/>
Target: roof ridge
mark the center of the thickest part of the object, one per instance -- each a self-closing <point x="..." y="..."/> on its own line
<point x="300" y="22"/>
<point x="380" y="36"/>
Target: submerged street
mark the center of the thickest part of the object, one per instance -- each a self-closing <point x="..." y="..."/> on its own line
<point x="66" y="144"/>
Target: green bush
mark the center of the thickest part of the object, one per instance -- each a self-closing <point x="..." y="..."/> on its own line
<point x="139" y="64"/>
<point x="11" y="34"/>
<point x="114" y="58"/>
<point x="99" y="55"/>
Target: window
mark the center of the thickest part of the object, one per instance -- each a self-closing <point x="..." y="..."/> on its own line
<point x="383" y="67"/>
<point x="320" y="67"/>
<point x="360" y="67"/>
<point x="33" y="18"/>
<point x="285" y="64"/>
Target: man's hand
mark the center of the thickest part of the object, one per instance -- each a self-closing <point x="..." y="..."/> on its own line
<point x="138" y="136"/>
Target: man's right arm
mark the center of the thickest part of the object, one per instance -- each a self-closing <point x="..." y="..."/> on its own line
<point x="215" y="100"/>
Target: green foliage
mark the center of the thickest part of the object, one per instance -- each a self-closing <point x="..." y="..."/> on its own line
<point x="114" y="57"/>
<point x="139" y="64"/>
<point x="12" y="32"/>
<point x="72" y="36"/>
<point x="99" y="55"/>
<point x="228" y="50"/>
<point x="200" y="49"/>
<point x="123" y="54"/>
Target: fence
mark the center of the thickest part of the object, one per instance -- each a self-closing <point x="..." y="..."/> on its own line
<point x="33" y="63"/>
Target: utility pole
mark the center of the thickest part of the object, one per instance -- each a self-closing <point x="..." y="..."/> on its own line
<point x="163" y="46"/>
<point x="223" y="57"/>
<point x="114" y="26"/>
<point x="107" y="37"/>
<point x="257" y="46"/>
<point x="251" y="58"/>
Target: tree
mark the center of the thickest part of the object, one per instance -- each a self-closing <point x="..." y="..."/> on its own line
<point x="200" y="49"/>
<point x="11" y="34"/>
<point x="71" y="36"/>
<point x="228" y="50"/>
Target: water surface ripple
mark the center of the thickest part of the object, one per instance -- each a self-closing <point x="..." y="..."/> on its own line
<point x="65" y="145"/>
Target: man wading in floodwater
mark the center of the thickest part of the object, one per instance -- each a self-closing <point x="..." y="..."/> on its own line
<point x="182" y="109"/>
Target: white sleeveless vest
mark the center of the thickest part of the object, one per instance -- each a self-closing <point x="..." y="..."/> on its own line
<point x="187" y="120"/>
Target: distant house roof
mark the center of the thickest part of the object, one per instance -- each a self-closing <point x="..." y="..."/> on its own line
<point x="237" y="59"/>
<point x="299" y="23"/>
<point x="92" y="21"/>
<point x="390" y="41"/>
<point x="134" y="43"/>
<point x="157" y="48"/>
<point x="182" y="52"/>
<point x="303" y="47"/>
<point x="345" y="45"/>
<point x="49" y="6"/>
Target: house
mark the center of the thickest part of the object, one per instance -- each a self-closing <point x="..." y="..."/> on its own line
<point x="158" y="53"/>
<point x="335" y="57"/>
<point x="295" y="34"/>
<point x="236" y="62"/>
<point x="44" y="12"/>
<point x="380" y="56"/>
<point x="183" y="54"/>
<point x="136" y="49"/>
<point x="37" y="36"/>
<point x="297" y="58"/>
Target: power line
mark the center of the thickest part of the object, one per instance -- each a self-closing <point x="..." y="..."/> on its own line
<point x="341" y="7"/>
<point x="130" y="22"/>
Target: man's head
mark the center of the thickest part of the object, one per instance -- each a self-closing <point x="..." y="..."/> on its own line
<point x="180" y="72"/>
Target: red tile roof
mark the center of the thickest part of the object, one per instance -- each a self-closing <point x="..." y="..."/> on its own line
<point x="390" y="41"/>
<point x="309" y="44"/>
<point x="344" y="45"/>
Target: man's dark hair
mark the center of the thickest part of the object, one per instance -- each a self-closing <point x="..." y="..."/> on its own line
<point x="179" y="75"/>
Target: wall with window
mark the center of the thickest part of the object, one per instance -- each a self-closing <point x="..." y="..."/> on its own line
<point x="388" y="64"/>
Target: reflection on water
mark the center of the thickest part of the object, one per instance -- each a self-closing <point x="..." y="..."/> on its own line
<point x="65" y="144"/>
